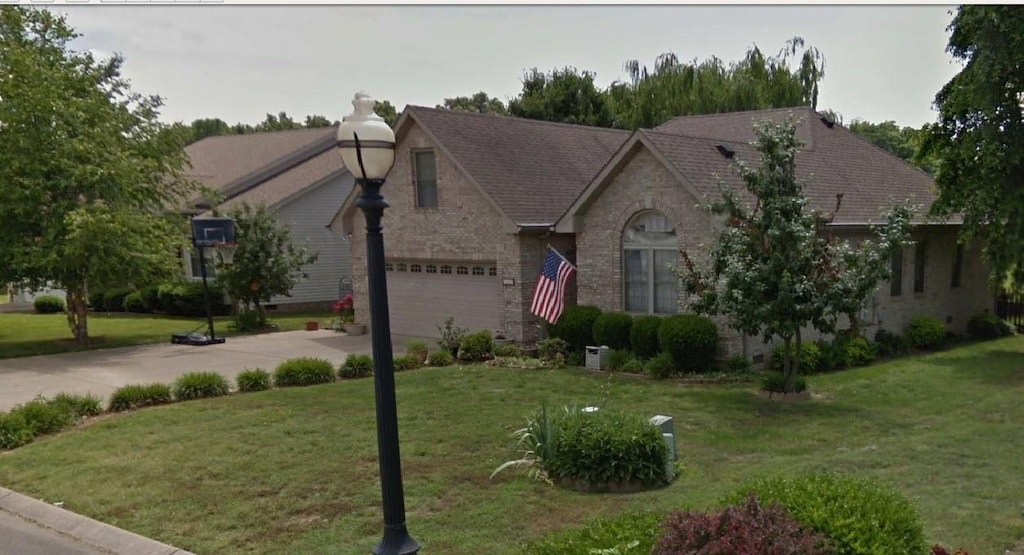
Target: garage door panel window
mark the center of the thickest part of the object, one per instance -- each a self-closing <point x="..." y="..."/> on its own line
<point x="650" y="245"/>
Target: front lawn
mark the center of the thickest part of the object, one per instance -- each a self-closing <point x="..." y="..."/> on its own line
<point x="295" y="470"/>
<point x="28" y="334"/>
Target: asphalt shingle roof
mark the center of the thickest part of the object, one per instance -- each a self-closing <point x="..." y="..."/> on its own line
<point x="532" y="169"/>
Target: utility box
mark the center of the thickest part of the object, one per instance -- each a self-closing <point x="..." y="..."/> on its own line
<point x="597" y="357"/>
<point x="667" y="433"/>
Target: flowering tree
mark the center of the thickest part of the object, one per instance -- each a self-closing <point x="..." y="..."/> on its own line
<point x="776" y="269"/>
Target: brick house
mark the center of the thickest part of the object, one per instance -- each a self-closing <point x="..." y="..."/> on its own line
<point x="476" y="199"/>
<point x="298" y="175"/>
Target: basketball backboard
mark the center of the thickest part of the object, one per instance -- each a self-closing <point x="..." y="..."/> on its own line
<point x="213" y="231"/>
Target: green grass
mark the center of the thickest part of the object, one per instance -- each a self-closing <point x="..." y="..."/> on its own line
<point x="28" y="334"/>
<point x="295" y="470"/>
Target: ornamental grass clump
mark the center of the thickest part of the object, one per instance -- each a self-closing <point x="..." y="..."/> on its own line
<point x="253" y="379"/>
<point x="302" y="371"/>
<point x="200" y="385"/>
<point x="135" y="396"/>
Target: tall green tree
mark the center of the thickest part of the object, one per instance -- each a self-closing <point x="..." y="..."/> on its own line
<point x="266" y="262"/>
<point x="904" y="142"/>
<point x="480" y="102"/>
<point x="84" y="165"/>
<point x="564" y="95"/>
<point x="775" y="269"/>
<point x="387" y="111"/>
<point x="979" y="138"/>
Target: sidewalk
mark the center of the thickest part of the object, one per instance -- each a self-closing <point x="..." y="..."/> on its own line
<point x="100" y="372"/>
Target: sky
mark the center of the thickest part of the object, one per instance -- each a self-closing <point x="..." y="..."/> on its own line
<point x="239" y="63"/>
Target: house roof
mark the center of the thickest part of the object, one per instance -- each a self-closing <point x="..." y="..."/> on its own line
<point x="264" y="167"/>
<point x="833" y="160"/>
<point x="533" y="170"/>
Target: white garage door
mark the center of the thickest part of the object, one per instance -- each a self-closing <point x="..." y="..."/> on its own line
<point x="423" y="294"/>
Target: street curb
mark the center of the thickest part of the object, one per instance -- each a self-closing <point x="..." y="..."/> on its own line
<point x="81" y="528"/>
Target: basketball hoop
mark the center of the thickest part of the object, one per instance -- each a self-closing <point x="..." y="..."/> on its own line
<point x="226" y="251"/>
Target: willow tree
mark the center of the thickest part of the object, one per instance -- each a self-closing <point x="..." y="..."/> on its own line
<point x="87" y="172"/>
<point x="775" y="269"/>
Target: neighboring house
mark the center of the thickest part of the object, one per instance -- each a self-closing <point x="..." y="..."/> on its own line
<point x="476" y="199"/>
<point x="298" y="174"/>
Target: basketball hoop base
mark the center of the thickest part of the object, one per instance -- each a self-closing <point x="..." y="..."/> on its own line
<point x="195" y="339"/>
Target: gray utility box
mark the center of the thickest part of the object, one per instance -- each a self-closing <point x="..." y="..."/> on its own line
<point x="597" y="357"/>
<point x="667" y="433"/>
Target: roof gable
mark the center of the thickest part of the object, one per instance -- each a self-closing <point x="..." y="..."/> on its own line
<point x="533" y="170"/>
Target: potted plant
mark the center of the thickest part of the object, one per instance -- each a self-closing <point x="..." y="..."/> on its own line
<point x="500" y="339"/>
<point x="417" y="348"/>
<point x="345" y="317"/>
<point x="353" y="328"/>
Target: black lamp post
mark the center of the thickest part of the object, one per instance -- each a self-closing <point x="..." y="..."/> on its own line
<point x="368" y="149"/>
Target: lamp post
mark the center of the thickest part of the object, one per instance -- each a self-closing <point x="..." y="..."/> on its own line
<point x="368" y="149"/>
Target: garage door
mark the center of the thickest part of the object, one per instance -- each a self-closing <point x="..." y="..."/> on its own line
<point x="423" y="294"/>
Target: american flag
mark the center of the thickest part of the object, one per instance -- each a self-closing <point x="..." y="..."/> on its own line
<point x="549" y="294"/>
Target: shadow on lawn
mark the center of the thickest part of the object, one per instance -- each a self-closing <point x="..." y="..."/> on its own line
<point x="994" y="367"/>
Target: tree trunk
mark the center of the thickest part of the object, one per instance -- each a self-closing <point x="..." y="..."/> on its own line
<point x="794" y="364"/>
<point x="78" y="314"/>
<point x="261" y="313"/>
<point x="854" y="324"/>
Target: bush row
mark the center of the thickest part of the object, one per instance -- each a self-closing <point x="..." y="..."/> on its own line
<point x="180" y="298"/>
<point x="814" y="514"/>
<point x="41" y="416"/>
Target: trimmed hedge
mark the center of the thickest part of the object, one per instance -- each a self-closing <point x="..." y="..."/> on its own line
<point x="48" y="304"/>
<point x="134" y="303"/>
<point x="151" y="298"/>
<point x="476" y="346"/>
<point x="113" y="300"/>
<point x="96" y="299"/>
<point x="690" y="340"/>
<point x="612" y="329"/>
<point x="643" y="336"/>
<point x="576" y="327"/>
<point x="186" y="299"/>
<point x="302" y="371"/>
<point x="986" y="325"/>
<point x="859" y="516"/>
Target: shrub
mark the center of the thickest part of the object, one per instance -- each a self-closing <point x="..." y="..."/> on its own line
<point x="96" y="300"/>
<point x="691" y="340"/>
<point x="255" y="379"/>
<point x="48" y="304"/>
<point x="612" y="329"/>
<point x="450" y="336"/>
<point x="476" y="346"/>
<point x="113" y="300"/>
<point x="576" y="327"/>
<point x="575" y="358"/>
<point x="248" y="320"/>
<point x="889" y="344"/>
<point x="515" y="362"/>
<point x="602" y="535"/>
<point x="746" y="529"/>
<point x="134" y="303"/>
<point x="830" y="356"/>
<point x="186" y="298"/>
<point x="440" y="358"/>
<point x="357" y="366"/>
<point x="809" y="357"/>
<point x="775" y="382"/>
<point x="407" y="362"/>
<point x="643" y="336"/>
<point x="45" y="418"/>
<point x="660" y="367"/>
<point x="303" y="371"/>
<point x="151" y="298"/>
<point x="608" y="446"/>
<point x="79" y="406"/>
<point x="130" y="397"/>
<point x="926" y="333"/>
<point x="200" y="385"/>
<point x="508" y="350"/>
<point x="858" y="352"/>
<point x="857" y="515"/>
<point x="984" y="325"/>
<point x="737" y="365"/>
<point x="618" y="358"/>
<point x="633" y="366"/>
<point x="14" y="431"/>
<point x="549" y="349"/>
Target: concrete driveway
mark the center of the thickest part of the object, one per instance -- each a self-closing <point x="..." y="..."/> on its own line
<point x="101" y="372"/>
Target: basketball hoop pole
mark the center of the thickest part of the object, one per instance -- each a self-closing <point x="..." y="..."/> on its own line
<point x="206" y="292"/>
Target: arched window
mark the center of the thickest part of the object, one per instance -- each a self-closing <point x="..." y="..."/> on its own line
<point x="649" y="245"/>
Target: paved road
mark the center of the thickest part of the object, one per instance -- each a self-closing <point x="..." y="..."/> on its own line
<point x="101" y="372"/>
